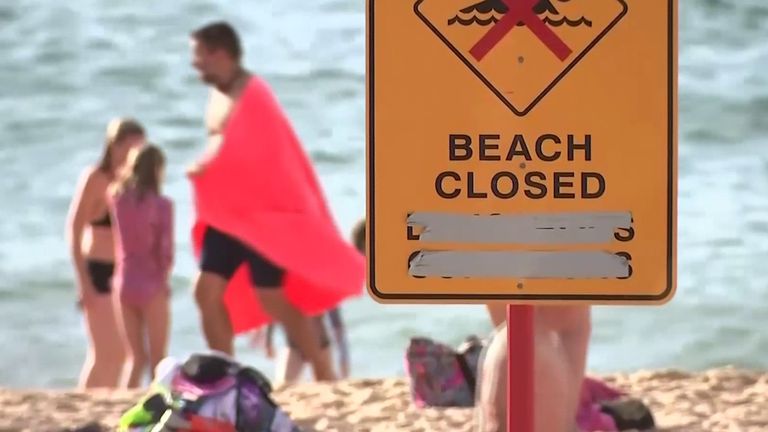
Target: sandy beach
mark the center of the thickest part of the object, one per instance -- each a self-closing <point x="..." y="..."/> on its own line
<point x="724" y="399"/>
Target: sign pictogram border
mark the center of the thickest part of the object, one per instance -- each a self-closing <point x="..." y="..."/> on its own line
<point x="599" y="298"/>
<point x="549" y="88"/>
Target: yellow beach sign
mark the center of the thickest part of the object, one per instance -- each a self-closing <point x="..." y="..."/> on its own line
<point x="522" y="150"/>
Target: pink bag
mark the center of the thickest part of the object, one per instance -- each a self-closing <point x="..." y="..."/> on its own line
<point x="590" y="416"/>
<point x="441" y="376"/>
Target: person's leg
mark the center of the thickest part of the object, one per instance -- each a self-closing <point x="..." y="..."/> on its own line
<point x="289" y="366"/>
<point x="86" y="377"/>
<point x="498" y="313"/>
<point x="221" y="255"/>
<point x="132" y="332"/>
<point x="573" y="326"/>
<point x="217" y="329"/>
<point x="299" y="329"/>
<point x="554" y="410"/>
<point x="551" y="405"/>
<point x="157" y="317"/>
<point x="293" y="364"/>
<point x="326" y="356"/>
<point x="491" y="400"/>
<point x="105" y="356"/>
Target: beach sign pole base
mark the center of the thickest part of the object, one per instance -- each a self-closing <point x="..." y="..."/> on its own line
<point x="520" y="385"/>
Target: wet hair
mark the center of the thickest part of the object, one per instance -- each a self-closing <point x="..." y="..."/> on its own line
<point x="358" y="235"/>
<point x="141" y="175"/>
<point x="117" y="130"/>
<point x="219" y="35"/>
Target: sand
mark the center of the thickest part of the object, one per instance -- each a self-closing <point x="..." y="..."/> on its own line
<point x="717" y="400"/>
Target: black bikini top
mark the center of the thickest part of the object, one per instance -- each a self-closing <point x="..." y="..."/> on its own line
<point x="105" y="221"/>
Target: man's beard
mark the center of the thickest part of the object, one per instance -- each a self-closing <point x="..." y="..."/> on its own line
<point x="208" y="78"/>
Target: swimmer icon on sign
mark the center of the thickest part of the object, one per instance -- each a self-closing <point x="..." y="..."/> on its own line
<point x="521" y="49"/>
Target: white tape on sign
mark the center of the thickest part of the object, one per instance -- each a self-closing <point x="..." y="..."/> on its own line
<point x="518" y="264"/>
<point x="545" y="228"/>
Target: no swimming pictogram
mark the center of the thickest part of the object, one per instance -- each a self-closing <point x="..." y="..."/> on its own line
<point x="521" y="67"/>
<point x="521" y="11"/>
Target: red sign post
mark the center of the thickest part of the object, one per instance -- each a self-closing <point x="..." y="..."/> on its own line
<point x="520" y="346"/>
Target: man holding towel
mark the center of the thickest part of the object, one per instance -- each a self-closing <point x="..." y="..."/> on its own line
<point x="251" y="205"/>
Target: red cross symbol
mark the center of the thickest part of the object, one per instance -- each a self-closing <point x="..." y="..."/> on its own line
<point x="520" y="11"/>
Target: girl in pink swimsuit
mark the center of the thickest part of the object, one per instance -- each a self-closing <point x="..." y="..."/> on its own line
<point x="143" y="231"/>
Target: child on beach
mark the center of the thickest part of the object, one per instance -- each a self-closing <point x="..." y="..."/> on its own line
<point x="143" y="229"/>
<point x="290" y="363"/>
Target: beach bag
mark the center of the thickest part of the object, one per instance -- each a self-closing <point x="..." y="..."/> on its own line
<point x="629" y="414"/>
<point x="441" y="376"/>
<point x="207" y="393"/>
<point x="600" y="401"/>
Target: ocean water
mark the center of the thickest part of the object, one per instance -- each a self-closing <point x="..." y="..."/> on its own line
<point x="66" y="68"/>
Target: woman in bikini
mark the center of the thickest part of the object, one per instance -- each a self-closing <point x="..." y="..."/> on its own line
<point x="89" y="234"/>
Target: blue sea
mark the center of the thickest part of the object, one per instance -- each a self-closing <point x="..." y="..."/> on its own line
<point x="68" y="67"/>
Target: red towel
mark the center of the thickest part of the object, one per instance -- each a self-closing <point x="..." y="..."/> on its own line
<point x="261" y="188"/>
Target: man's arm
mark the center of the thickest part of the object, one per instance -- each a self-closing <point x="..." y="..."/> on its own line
<point x="211" y="150"/>
<point x="214" y="124"/>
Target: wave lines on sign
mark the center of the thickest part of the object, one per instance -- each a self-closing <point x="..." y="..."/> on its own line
<point x="567" y="21"/>
<point x="474" y="19"/>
